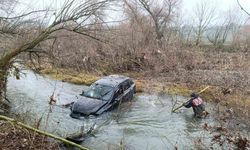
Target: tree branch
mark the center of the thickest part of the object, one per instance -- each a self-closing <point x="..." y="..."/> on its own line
<point x="243" y="8"/>
<point x="11" y="120"/>
<point x="23" y="15"/>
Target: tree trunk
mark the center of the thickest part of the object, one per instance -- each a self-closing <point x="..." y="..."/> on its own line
<point x="3" y="84"/>
<point x="4" y="61"/>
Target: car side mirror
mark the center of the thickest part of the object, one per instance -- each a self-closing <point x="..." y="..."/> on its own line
<point x="82" y="94"/>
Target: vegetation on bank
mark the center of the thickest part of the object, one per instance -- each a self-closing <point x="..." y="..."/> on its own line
<point x="142" y="85"/>
<point x="71" y="76"/>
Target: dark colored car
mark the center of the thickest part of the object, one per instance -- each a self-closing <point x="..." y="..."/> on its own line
<point x="103" y="95"/>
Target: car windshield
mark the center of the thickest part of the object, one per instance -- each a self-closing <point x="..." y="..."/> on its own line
<point x="98" y="91"/>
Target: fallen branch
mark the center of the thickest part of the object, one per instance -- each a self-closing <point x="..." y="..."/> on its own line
<point x="42" y="132"/>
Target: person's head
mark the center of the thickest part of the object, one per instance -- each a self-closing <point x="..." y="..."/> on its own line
<point x="194" y="95"/>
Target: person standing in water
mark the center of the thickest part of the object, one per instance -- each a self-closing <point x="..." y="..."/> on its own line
<point x="197" y="104"/>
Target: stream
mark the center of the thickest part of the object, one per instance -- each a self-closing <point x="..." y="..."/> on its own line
<point x="144" y="123"/>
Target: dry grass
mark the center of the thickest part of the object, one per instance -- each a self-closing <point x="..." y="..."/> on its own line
<point x="71" y="76"/>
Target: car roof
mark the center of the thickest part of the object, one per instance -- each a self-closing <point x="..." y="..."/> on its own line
<point x="112" y="80"/>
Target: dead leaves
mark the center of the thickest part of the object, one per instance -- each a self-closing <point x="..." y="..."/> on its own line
<point x="12" y="137"/>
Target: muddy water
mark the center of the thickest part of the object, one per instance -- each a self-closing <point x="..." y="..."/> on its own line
<point x="144" y="123"/>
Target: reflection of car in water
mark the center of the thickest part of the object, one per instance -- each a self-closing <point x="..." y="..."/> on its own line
<point x="103" y="95"/>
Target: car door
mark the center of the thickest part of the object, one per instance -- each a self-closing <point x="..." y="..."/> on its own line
<point x="116" y="99"/>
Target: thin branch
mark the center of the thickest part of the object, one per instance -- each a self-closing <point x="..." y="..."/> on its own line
<point x="42" y="132"/>
<point x="104" y="22"/>
<point x="243" y="8"/>
<point x="85" y="34"/>
<point x="4" y="96"/>
<point x="23" y="15"/>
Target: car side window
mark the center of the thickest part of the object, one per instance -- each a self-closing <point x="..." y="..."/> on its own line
<point x="126" y="85"/>
<point x="118" y="93"/>
<point x="131" y="82"/>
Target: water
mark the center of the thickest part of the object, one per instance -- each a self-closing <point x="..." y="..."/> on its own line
<point x="144" y="123"/>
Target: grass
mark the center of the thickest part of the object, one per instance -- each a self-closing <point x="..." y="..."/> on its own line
<point x="71" y="76"/>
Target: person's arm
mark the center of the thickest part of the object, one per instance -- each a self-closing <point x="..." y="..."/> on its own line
<point x="188" y="104"/>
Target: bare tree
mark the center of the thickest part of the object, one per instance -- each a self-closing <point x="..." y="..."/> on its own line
<point x="204" y="15"/>
<point x="73" y="16"/>
<point x="220" y="33"/>
<point x="215" y="37"/>
<point x="161" y="13"/>
<point x="225" y="28"/>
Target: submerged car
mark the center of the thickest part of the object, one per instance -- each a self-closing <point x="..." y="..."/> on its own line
<point x="103" y="95"/>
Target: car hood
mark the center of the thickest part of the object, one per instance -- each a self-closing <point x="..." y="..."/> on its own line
<point x="87" y="106"/>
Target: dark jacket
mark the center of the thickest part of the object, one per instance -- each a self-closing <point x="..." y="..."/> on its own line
<point x="197" y="104"/>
